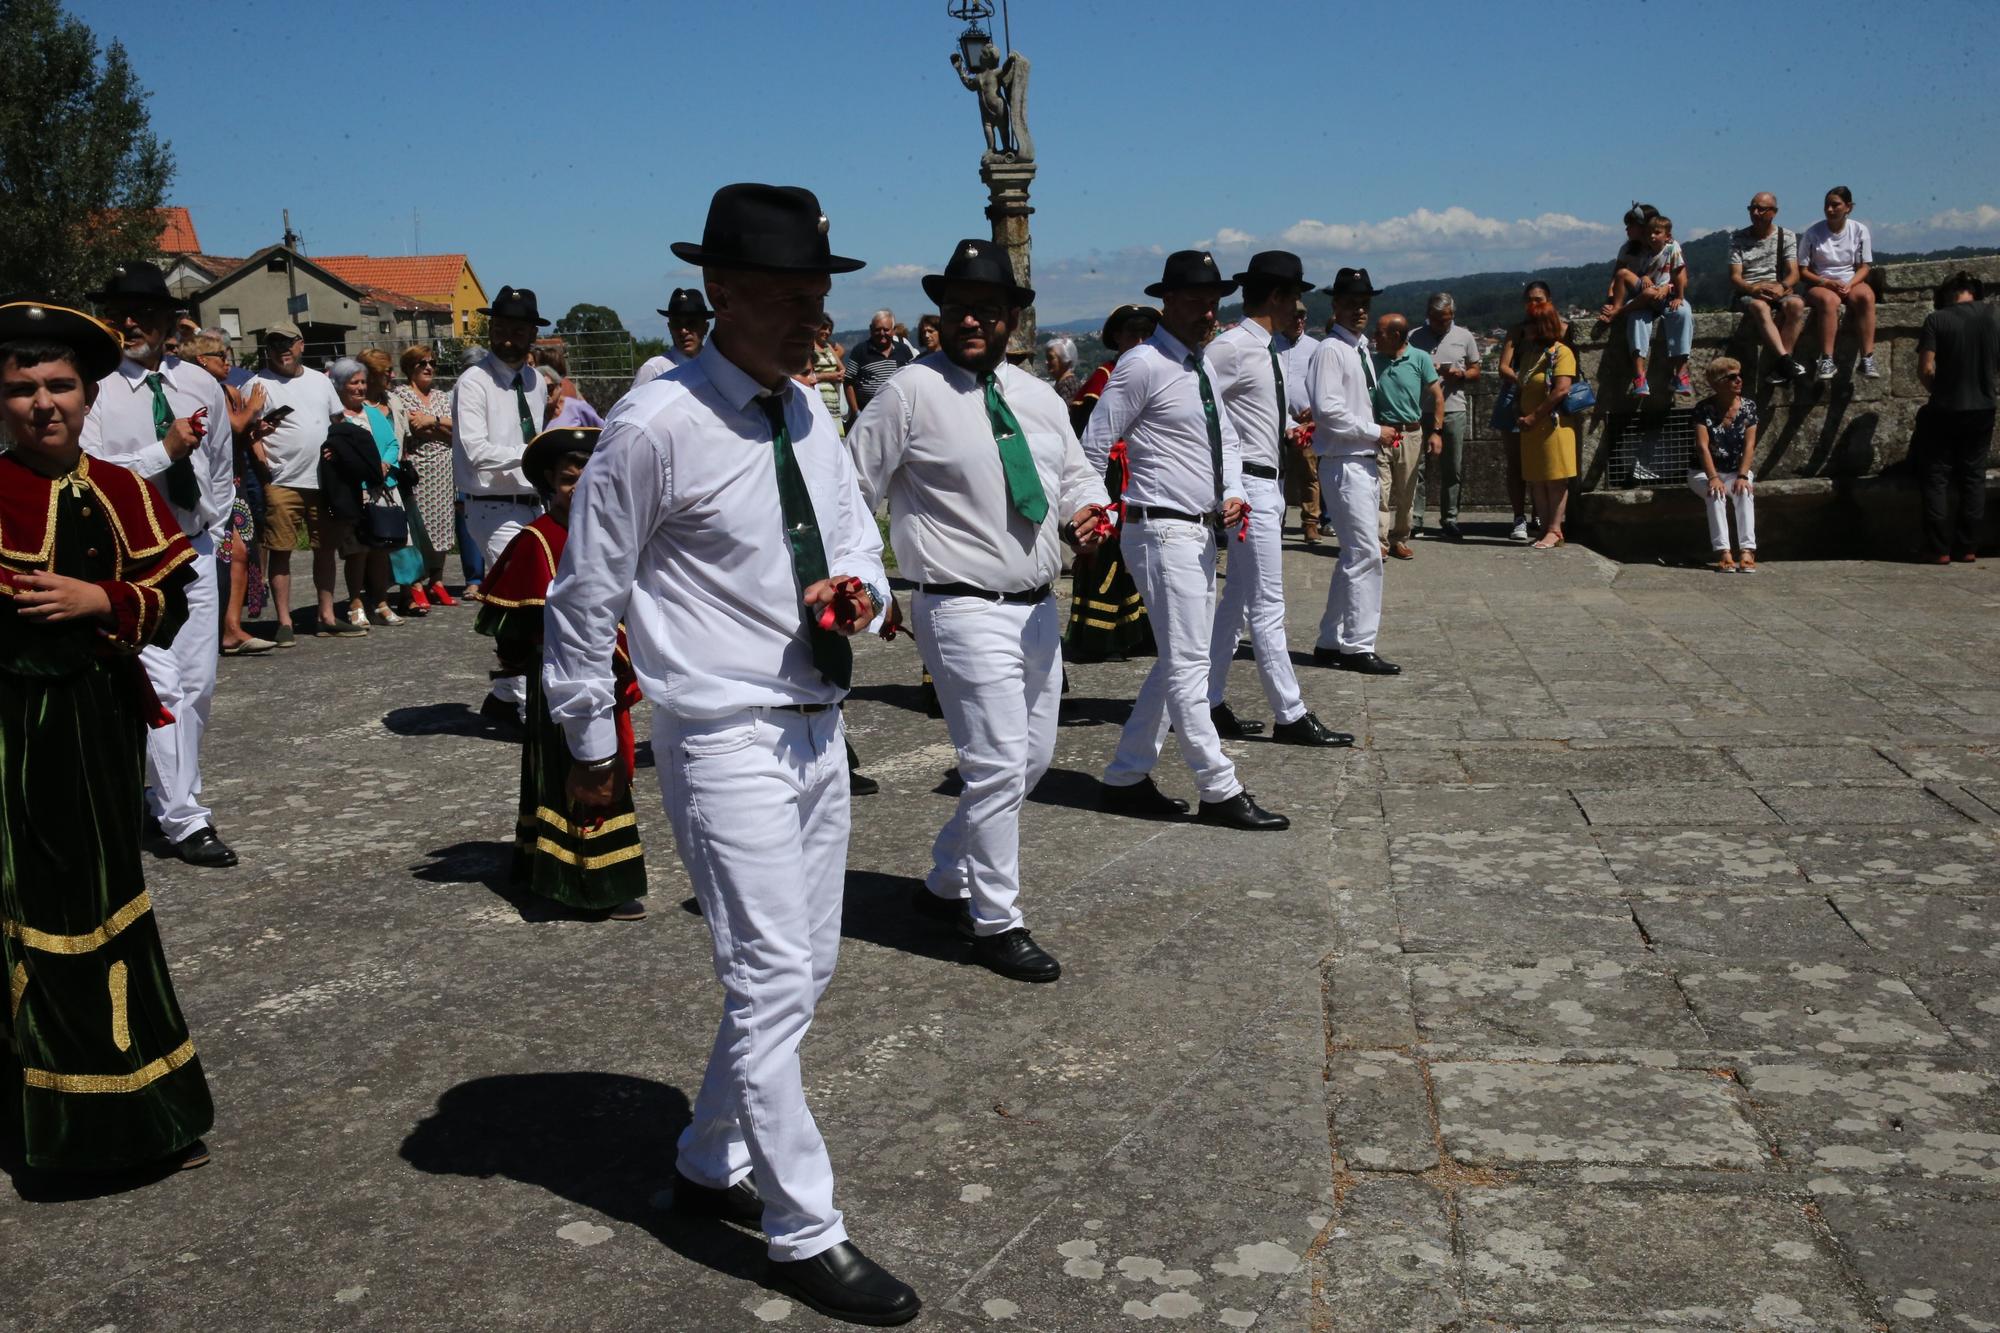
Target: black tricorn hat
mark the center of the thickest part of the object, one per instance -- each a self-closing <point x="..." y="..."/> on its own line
<point x="687" y="303"/>
<point x="1116" y="320"/>
<point x="1352" y="282"/>
<point x="1190" y="268"/>
<point x="515" y="303"/>
<point x="1281" y="266"/>
<point x="777" y="228"/>
<point x="974" y="260"/>
<point x="98" y="350"/>
<point x="137" y="280"/>
<point x="549" y="448"/>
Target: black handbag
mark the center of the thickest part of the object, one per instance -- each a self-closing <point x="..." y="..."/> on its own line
<point x="384" y="524"/>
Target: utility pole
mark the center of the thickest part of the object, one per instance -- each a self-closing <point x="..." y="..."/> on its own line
<point x="292" y="239"/>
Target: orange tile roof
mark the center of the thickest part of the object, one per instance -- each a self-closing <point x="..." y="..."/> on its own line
<point x="399" y="300"/>
<point x="177" y="232"/>
<point x="434" y="277"/>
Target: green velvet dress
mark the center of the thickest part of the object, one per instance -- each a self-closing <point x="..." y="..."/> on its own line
<point x="95" y="1052"/>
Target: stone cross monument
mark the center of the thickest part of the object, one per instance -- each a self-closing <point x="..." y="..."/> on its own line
<point x="1008" y="164"/>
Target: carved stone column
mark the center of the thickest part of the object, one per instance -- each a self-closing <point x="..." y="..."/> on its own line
<point x="1007" y="209"/>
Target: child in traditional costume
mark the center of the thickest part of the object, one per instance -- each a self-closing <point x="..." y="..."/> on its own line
<point x="94" y="1054"/>
<point x="592" y="866"/>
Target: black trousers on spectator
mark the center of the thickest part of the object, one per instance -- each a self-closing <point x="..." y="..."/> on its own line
<point x="1952" y="451"/>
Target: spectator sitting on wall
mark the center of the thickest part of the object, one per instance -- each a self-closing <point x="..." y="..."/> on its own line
<point x="1957" y="351"/>
<point x="1725" y="448"/>
<point x="1764" y="270"/>
<point x="1662" y="298"/>
<point x="1627" y="266"/>
<point x="1836" y="255"/>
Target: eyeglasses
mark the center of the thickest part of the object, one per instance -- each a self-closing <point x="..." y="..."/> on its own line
<point x="988" y="312"/>
<point x="1763" y="208"/>
<point x="426" y="365"/>
<point x="1733" y="375"/>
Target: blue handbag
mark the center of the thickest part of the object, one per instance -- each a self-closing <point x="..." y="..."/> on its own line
<point x="1507" y="410"/>
<point x="1581" y="397"/>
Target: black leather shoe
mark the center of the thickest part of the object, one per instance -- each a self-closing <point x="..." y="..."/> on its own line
<point x="1014" y="954"/>
<point x="501" y="716"/>
<point x="1142" y="799"/>
<point x="1240" y="811"/>
<point x="1231" y="727"/>
<point x="203" y="848"/>
<point x="1306" y="729"/>
<point x="1368" y="664"/>
<point x="843" y="1283"/>
<point x="740" y="1203"/>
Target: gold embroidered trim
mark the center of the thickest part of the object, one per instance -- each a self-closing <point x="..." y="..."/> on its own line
<point x="133" y="551"/>
<point x="507" y="605"/>
<point x="121" y="1020"/>
<point x="85" y="943"/>
<point x="561" y="825"/>
<point x="48" y="551"/>
<point x="17" y="986"/>
<point x="132" y="1082"/>
<point x="166" y="567"/>
<point x="567" y="857"/>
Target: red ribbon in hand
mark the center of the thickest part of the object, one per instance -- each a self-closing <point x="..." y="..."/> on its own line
<point x="845" y="608"/>
<point x="1103" y="529"/>
<point x="1243" y="532"/>
<point x="199" y="420"/>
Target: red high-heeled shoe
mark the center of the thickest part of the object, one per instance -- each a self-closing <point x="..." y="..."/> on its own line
<point x="418" y="602"/>
<point x="441" y="596"/>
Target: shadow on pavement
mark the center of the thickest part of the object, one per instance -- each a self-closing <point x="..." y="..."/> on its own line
<point x="604" y="1142"/>
<point x="36" y="1186"/>
<point x="1079" y="710"/>
<point x="909" y="698"/>
<point x="876" y="909"/>
<point x="446" y="719"/>
<point x="1068" y="787"/>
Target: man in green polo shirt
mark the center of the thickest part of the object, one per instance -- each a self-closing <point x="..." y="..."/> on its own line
<point x="1408" y="395"/>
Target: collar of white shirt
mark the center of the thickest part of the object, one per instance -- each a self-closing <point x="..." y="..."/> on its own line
<point x="135" y="374"/>
<point x="1172" y="348"/>
<point x="1347" y="335"/>
<point x="503" y="374"/>
<point x="732" y="381"/>
<point x="1255" y="332"/>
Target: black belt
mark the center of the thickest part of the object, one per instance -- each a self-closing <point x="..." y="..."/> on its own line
<point x="509" y="499"/>
<point x="1028" y="598"/>
<point x="807" y="709"/>
<point x="1157" y="511"/>
<point x="1259" y="470"/>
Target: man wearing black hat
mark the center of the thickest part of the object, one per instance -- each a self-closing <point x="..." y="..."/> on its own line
<point x="720" y="520"/>
<point x="984" y="479"/>
<point x="167" y="419"/>
<point x="497" y="406"/>
<point x="1185" y="475"/>
<point x="688" y="317"/>
<point x="1348" y="440"/>
<point x="1249" y="379"/>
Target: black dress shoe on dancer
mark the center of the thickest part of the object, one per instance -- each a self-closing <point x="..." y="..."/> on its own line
<point x="843" y="1283"/>
<point x="1142" y="799"/>
<point x="203" y="848"/>
<point x="1368" y="664"/>
<point x="1309" y="730"/>
<point x="1229" y="726"/>
<point x="1240" y="811"/>
<point x="1015" y="955"/>
<point x="740" y="1203"/>
<point x="501" y="716"/>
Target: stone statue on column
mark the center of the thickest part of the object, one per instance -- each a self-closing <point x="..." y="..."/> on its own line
<point x="1007" y="166"/>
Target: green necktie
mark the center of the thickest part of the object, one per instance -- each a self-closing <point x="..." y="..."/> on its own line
<point x="1024" y="486"/>
<point x="1214" y="427"/>
<point x="528" y="431"/>
<point x="832" y="655"/>
<point x="1278" y="380"/>
<point x="182" y="488"/>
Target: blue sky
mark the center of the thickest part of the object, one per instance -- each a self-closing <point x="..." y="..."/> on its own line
<point x="563" y="146"/>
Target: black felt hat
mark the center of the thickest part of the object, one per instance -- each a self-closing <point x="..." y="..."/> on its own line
<point x="687" y="303"/>
<point x="137" y="280"/>
<point x="1190" y="268"/>
<point x="98" y="350"/>
<point x="549" y="448"/>
<point x="1280" y="266"/>
<point x="974" y="260"/>
<point x="515" y="303"/>
<point x="1116" y="320"/>
<point x="1352" y="282"/>
<point x="777" y="228"/>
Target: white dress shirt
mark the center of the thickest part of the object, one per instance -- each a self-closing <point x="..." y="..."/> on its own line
<point x="1153" y="403"/>
<point x="294" y="444"/>
<point x="677" y="530"/>
<point x="657" y="366"/>
<point x="1343" y="422"/>
<point x="486" y="440"/>
<point x="927" y="442"/>
<point x="119" y="429"/>
<point x="1246" y="389"/>
<point x="1297" y="357"/>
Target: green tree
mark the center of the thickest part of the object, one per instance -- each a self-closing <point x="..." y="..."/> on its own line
<point x="587" y="318"/>
<point x="81" y="175"/>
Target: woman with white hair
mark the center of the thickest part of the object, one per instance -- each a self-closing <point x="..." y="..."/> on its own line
<point x="1061" y="354"/>
<point x="358" y="466"/>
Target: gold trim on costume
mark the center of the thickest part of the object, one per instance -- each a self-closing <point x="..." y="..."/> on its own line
<point x="567" y="857"/>
<point x="506" y="605"/>
<point x="85" y="943"/>
<point x="132" y="1082"/>
<point x="132" y="549"/>
<point x="17" y="986"/>
<point x="48" y="551"/>
<point x="561" y="825"/>
<point x="121" y="1019"/>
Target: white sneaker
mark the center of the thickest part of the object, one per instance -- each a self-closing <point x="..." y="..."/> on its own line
<point x="1827" y="370"/>
<point x="1867" y="367"/>
<point x="1519" y="532"/>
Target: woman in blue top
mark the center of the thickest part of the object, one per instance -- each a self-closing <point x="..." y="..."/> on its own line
<point x="1725" y="450"/>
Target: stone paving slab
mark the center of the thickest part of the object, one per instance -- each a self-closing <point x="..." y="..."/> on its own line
<point x="1508" y="1115"/>
<point x="1681" y="806"/>
<point x="1927" y="1258"/>
<point x="1552" y="1004"/>
<point x="1692" y="928"/>
<point x="1889" y="1117"/>
<point x="1821" y="1007"/>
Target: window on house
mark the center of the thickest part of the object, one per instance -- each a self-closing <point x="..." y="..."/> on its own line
<point x="232" y="323"/>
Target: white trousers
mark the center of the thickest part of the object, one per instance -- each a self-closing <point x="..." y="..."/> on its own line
<point x="1254" y="590"/>
<point x="1173" y="562"/>
<point x="1718" y="508"/>
<point x="1351" y="495"/>
<point x="183" y="675"/>
<point x="492" y="524"/>
<point x="758" y="801"/>
<point x="998" y="671"/>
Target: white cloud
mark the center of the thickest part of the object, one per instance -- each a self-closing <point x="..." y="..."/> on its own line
<point x="1453" y="228"/>
<point x="899" y="272"/>
<point x="1983" y="218"/>
<point x="1230" y="236"/>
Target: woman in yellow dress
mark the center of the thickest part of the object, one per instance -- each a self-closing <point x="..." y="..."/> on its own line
<point x="1548" y="441"/>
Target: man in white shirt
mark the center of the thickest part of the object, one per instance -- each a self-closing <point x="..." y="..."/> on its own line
<point x="1295" y="351"/>
<point x="1184" y="473"/>
<point x="720" y="520"/>
<point x="497" y="406"/>
<point x="688" y="318"/>
<point x="299" y="405"/>
<point x="1455" y="352"/>
<point x="984" y="477"/>
<point x="166" y="419"/>
<point x="1247" y="372"/>
<point x="1348" y="440"/>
